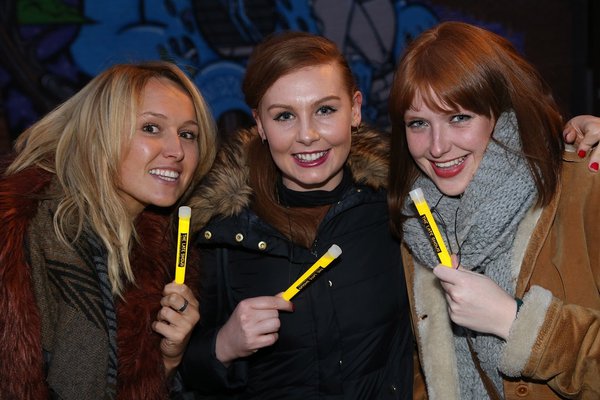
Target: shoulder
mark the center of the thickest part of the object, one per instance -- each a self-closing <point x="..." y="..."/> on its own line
<point x="225" y="190"/>
<point x="369" y="157"/>
<point x="577" y="181"/>
<point x="20" y="193"/>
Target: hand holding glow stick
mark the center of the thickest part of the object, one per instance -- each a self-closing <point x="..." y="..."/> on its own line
<point x="183" y="233"/>
<point x="311" y="273"/>
<point x="431" y="227"/>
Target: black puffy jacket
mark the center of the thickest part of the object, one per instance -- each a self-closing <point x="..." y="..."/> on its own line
<point x="349" y="336"/>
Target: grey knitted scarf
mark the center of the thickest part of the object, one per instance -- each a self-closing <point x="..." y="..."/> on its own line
<point x="480" y="225"/>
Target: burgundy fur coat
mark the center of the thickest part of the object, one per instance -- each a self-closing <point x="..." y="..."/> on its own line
<point x="141" y="372"/>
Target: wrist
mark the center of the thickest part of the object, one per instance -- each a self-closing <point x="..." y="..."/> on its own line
<point x="509" y="316"/>
<point x="171" y="364"/>
<point x="221" y="352"/>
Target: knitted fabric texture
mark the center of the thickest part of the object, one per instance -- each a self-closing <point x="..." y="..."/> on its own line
<point x="480" y="226"/>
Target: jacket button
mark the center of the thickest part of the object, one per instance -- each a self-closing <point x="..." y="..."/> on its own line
<point x="207" y="235"/>
<point x="262" y="245"/>
<point x="393" y="389"/>
<point x="239" y="237"/>
<point x="522" y="390"/>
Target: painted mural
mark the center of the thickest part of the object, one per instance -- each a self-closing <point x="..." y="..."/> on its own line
<point x="51" y="48"/>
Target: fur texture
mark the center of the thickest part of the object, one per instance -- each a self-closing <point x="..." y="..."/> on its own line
<point x="225" y="190"/>
<point x="141" y="372"/>
<point x="21" y="362"/>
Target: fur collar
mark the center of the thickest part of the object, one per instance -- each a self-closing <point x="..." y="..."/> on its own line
<point x="226" y="190"/>
<point x="141" y="372"/>
<point x="21" y="361"/>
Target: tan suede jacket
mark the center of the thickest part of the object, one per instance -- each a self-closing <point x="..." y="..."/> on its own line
<point x="553" y="350"/>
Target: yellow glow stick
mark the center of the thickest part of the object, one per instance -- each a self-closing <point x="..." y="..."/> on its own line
<point x="311" y="273"/>
<point x="183" y="234"/>
<point x="431" y="227"/>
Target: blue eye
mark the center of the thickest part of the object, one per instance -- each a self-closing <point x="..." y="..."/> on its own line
<point x="284" y="116"/>
<point x="415" y="124"/>
<point x="460" y="118"/>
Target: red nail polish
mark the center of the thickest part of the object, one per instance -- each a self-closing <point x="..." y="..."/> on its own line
<point x="594" y="166"/>
<point x="581" y="153"/>
<point x="293" y="307"/>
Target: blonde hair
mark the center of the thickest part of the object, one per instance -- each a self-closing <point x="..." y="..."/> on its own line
<point x="81" y="143"/>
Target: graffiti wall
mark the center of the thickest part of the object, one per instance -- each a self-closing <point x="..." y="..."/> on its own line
<point x="51" y="48"/>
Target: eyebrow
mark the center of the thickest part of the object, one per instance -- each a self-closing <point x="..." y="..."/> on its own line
<point x="319" y="101"/>
<point x="162" y="116"/>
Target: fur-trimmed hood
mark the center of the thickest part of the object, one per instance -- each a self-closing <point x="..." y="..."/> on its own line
<point x="226" y="189"/>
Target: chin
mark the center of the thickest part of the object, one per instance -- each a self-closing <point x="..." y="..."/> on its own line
<point x="450" y="189"/>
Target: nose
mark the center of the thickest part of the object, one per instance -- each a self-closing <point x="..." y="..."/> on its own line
<point x="307" y="134"/>
<point x="440" y="143"/>
<point x="173" y="147"/>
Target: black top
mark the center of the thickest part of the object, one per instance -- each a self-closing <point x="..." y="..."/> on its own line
<point x="349" y="336"/>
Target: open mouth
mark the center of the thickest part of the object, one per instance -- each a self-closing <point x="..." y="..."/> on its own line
<point x="165" y="174"/>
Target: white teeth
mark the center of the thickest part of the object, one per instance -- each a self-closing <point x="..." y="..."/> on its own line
<point x="307" y="157"/>
<point x="166" y="174"/>
<point x="451" y="163"/>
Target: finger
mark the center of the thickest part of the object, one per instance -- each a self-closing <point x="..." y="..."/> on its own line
<point x="171" y="333"/>
<point x="455" y="261"/>
<point x="181" y="290"/>
<point x="268" y="303"/>
<point x="445" y="274"/>
<point x="594" y="162"/>
<point x="186" y="318"/>
<point x="571" y="133"/>
<point x="265" y="340"/>
<point x="176" y="301"/>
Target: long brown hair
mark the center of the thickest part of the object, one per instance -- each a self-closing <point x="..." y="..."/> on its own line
<point x="278" y="55"/>
<point x="469" y="67"/>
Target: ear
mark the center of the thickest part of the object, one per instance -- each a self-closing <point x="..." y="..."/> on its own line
<point x="356" y="108"/>
<point x="259" y="125"/>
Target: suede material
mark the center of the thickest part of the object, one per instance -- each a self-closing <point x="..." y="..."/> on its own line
<point x="562" y="261"/>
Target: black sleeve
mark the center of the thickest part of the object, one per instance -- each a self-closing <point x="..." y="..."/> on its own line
<point x="200" y="369"/>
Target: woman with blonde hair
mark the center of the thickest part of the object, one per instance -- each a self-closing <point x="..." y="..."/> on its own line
<point x="87" y="308"/>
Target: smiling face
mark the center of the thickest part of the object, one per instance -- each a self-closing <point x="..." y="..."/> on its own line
<point x="158" y="163"/>
<point x="306" y="117"/>
<point x="447" y="146"/>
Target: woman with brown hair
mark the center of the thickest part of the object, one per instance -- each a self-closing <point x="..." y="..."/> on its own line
<point x="517" y="314"/>
<point x="307" y="176"/>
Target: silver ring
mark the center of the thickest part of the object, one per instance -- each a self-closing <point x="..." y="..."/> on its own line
<point x="184" y="306"/>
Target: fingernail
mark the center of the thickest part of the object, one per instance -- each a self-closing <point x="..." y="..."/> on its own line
<point x="293" y="307"/>
<point x="581" y="153"/>
<point x="594" y="166"/>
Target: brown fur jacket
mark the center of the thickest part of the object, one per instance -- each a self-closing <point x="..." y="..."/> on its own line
<point x="141" y="372"/>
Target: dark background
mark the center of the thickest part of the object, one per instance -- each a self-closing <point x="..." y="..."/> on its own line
<point x="50" y="48"/>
